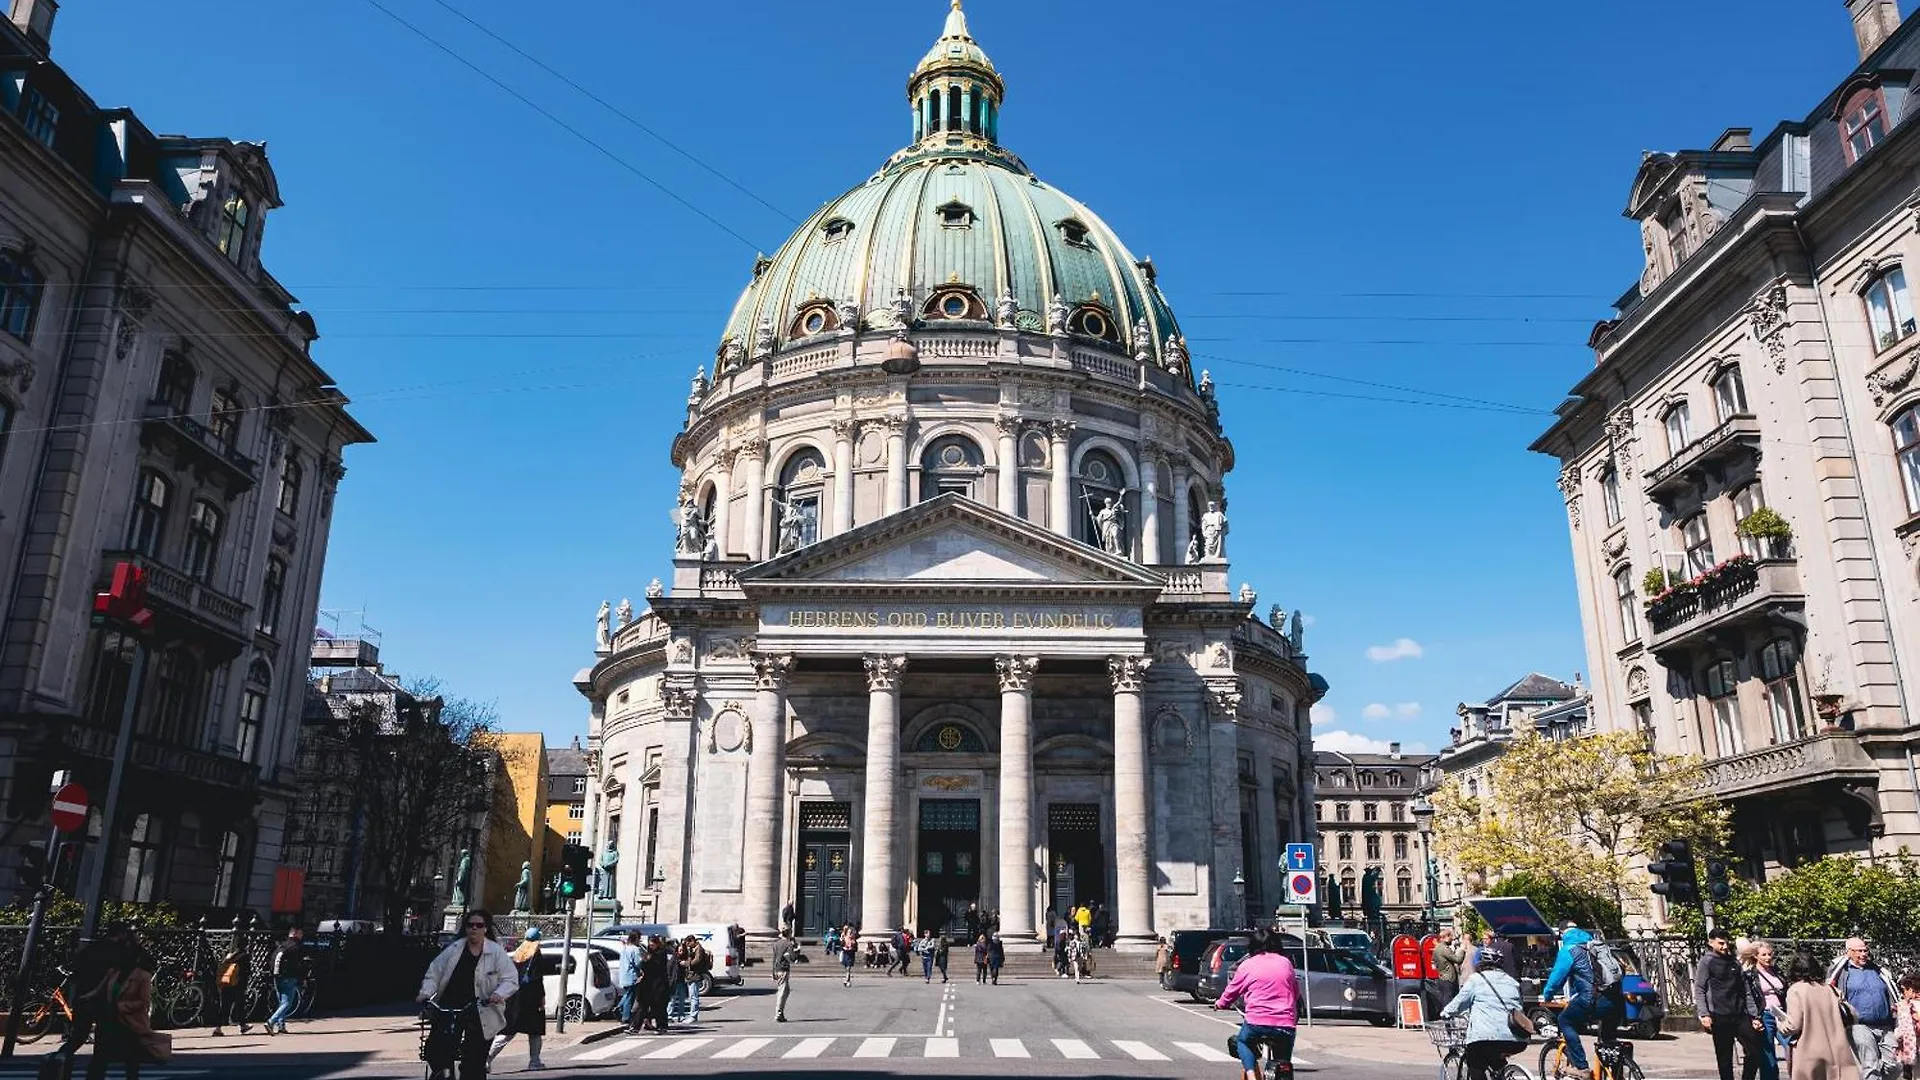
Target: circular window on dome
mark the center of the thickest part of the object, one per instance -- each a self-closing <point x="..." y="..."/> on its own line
<point x="953" y="456"/>
<point x="1094" y="324"/>
<point x="814" y="322"/>
<point x="954" y="306"/>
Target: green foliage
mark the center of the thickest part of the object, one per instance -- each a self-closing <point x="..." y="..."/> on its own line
<point x="1766" y="524"/>
<point x="1558" y="901"/>
<point x="1835" y="897"/>
<point x="1654" y="583"/>
<point x="64" y="910"/>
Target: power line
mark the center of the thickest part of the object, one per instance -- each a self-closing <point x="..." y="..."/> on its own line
<point x="1369" y="383"/>
<point x="1391" y="401"/>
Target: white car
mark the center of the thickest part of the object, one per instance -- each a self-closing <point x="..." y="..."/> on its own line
<point x="717" y="939"/>
<point x="600" y="996"/>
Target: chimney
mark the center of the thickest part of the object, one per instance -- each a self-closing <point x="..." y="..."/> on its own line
<point x="1393" y="750"/>
<point x="35" y="19"/>
<point x="1873" y="22"/>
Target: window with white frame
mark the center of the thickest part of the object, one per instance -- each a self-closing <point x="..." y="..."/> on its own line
<point x="1719" y="681"/>
<point x="1343" y="812"/>
<point x="203" y="539"/>
<point x="1906" y="449"/>
<point x="230" y="235"/>
<point x="273" y="591"/>
<point x="1610" y="494"/>
<point x="253" y="714"/>
<point x="1778" y="669"/>
<point x="1400" y="845"/>
<point x="573" y="836"/>
<point x="1698" y="543"/>
<point x="1889" y="308"/>
<point x="579" y="785"/>
<point x="1624" y="598"/>
<point x="223" y="420"/>
<point x="1745" y="501"/>
<point x="1370" y="812"/>
<point x="291" y="473"/>
<point x="577" y="812"/>
<point x="1403" y="885"/>
<point x="1373" y="846"/>
<point x="1679" y="426"/>
<point x="141" y="871"/>
<point x="1864" y="123"/>
<point x="226" y="873"/>
<point x="149" y="522"/>
<point x="952" y="464"/>
<point x="1729" y="394"/>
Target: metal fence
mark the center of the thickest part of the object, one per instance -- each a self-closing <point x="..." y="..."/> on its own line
<point x="1668" y="962"/>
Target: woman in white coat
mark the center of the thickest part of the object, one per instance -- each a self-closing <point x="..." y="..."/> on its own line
<point x="474" y="969"/>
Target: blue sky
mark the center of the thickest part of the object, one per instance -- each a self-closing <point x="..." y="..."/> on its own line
<point x="1421" y="196"/>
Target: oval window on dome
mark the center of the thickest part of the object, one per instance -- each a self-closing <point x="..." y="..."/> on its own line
<point x="815" y="322"/>
<point x="837" y="229"/>
<point x="954" y="306"/>
<point x="1096" y="324"/>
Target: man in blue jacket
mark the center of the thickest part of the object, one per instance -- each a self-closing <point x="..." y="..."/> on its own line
<point x="1573" y="970"/>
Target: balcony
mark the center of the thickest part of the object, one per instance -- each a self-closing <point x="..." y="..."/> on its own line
<point x="1736" y="439"/>
<point x="169" y="763"/>
<point x="1836" y="756"/>
<point x="1744" y="591"/>
<point x="196" y="446"/>
<point x="190" y="605"/>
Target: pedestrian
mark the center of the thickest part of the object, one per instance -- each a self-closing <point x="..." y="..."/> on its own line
<point x="527" y="1008"/>
<point x="1489" y="997"/>
<point x="980" y="960"/>
<point x="972" y="922"/>
<point x="785" y="950"/>
<point x="1906" y="1026"/>
<point x="89" y="987"/>
<point x="903" y="949"/>
<point x="289" y="967"/>
<point x="231" y="977"/>
<point x="1821" y="1049"/>
<point x="940" y="949"/>
<point x="1265" y="982"/>
<point x="1770" y="994"/>
<point x="1077" y="951"/>
<point x="1102" y="923"/>
<point x="1573" y="970"/>
<point x="1866" y="987"/>
<point x="789" y="916"/>
<point x="996" y="957"/>
<point x="699" y="969"/>
<point x="1162" y="960"/>
<point x="847" y="953"/>
<point x="830" y="942"/>
<point x="924" y="947"/>
<point x="1083" y="919"/>
<point x="1060" y="939"/>
<point x="632" y="956"/>
<point x="473" y="970"/>
<point x="666" y="973"/>
<point x="126" y="1029"/>
<point x="1727" y="1008"/>
<point x="1448" y="958"/>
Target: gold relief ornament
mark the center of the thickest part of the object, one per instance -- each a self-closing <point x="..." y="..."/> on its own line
<point x="837" y="860"/>
<point x="949" y="783"/>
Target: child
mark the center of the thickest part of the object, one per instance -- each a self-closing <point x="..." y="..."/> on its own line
<point x="1906" y="1024"/>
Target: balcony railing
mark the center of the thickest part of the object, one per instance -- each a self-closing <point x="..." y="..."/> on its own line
<point x="236" y="470"/>
<point x="176" y="762"/>
<point x="1739" y="435"/>
<point x="185" y="595"/>
<point x="1743" y="588"/>
<point x="1835" y="756"/>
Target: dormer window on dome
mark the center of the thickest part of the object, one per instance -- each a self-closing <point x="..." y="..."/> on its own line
<point x="955" y="302"/>
<point x="955" y="214"/>
<point x="836" y="230"/>
<point x="815" y="317"/>
<point x="1073" y="231"/>
<point x="1094" y="320"/>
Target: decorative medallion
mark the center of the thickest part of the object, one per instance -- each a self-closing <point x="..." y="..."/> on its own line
<point x="730" y="731"/>
<point x="948" y="783"/>
<point x="1031" y="321"/>
<point x="950" y="737"/>
<point x="1767" y="318"/>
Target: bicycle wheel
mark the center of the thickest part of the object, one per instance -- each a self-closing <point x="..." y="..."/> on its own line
<point x="1629" y="1070"/>
<point x="1514" y="1072"/>
<point x="1454" y="1065"/>
<point x="1550" y="1058"/>
<point x="303" y="1004"/>
<point x="36" y="1021"/>
<point x="184" y="1008"/>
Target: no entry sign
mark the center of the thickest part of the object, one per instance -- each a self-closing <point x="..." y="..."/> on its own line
<point x="70" y="808"/>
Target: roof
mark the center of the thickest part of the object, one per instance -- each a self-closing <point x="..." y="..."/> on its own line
<point x="566" y="761"/>
<point x="1338" y="758"/>
<point x="1534" y="687"/>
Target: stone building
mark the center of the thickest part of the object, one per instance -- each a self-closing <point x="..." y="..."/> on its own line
<point x="1742" y="467"/>
<point x="951" y="619"/>
<point x="1362" y="806"/>
<point x="159" y="404"/>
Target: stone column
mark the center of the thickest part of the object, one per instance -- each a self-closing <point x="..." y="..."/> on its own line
<point x="896" y="499"/>
<point x="843" y="432"/>
<point x="1009" y="495"/>
<point x="722" y="502"/>
<point x="1134" y="910"/>
<point x="754" y="452"/>
<point x="1182" y="526"/>
<point x="879" y="892"/>
<point x="1150" y="505"/>
<point x="1060" y="501"/>
<point x="1016" y="795"/>
<point x="766" y="796"/>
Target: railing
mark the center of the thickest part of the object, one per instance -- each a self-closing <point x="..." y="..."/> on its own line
<point x="1183" y="583"/>
<point x="1735" y="586"/>
<point x="1770" y="768"/>
<point x="1102" y="364"/>
<point x="1704" y="448"/>
<point x="718" y="579"/>
<point x="945" y="347"/>
<point x="162" y="412"/>
<point x="173" y="761"/>
<point x="801" y="363"/>
<point x="182" y="592"/>
<point x="647" y="629"/>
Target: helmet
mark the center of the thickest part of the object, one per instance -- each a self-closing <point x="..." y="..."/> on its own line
<point x="533" y="933"/>
<point x="1491" y="954"/>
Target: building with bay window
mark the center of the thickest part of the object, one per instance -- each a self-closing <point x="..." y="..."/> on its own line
<point x="1742" y="467"/>
<point x="951" y="620"/>
<point x="158" y="405"/>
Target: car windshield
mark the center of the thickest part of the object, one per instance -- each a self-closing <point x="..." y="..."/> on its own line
<point x="1337" y="962"/>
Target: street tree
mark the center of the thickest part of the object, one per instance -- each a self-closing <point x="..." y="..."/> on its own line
<point x="1836" y="896"/>
<point x="1583" y="813"/>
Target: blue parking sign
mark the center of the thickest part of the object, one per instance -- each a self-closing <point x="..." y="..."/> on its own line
<point x="1300" y="858"/>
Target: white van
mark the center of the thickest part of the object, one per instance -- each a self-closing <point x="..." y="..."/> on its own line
<point x="602" y="998"/>
<point x="717" y="940"/>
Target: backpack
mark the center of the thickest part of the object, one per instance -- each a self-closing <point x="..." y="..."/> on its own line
<point x="1607" y="969"/>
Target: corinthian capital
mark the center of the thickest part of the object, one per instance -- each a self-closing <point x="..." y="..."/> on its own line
<point x="770" y="670"/>
<point x="1016" y="673"/>
<point x="846" y="428"/>
<point x="1061" y="430"/>
<point x="883" y="672"/>
<point x="1128" y="673"/>
<point x="678" y="700"/>
<point x="752" y="448"/>
<point x="1223" y="697"/>
<point x="895" y="423"/>
<point x="1009" y="423"/>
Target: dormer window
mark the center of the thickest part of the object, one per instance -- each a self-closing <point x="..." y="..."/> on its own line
<point x="41" y="116"/>
<point x="956" y="215"/>
<point x="1073" y="231"/>
<point x="1889" y="309"/>
<point x="815" y="317"/>
<point x="955" y="302"/>
<point x="837" y="230"/>
<point x="231" y="237"/>
<point x="1864" y="124"/>
<point x="1094" y="321"/>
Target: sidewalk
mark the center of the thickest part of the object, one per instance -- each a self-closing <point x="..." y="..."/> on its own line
<point x="1688" y="1055"/>
<point x="387" y="1035"/>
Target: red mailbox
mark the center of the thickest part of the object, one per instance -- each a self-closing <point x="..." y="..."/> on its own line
<point x="1426" y="956"/>
<point x="1406" y="957"/>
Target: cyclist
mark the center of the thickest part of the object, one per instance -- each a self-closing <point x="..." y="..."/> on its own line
<point x="1573" y="970"/>
<point x="1265" y="980"/>
<point x="1489" y="997"/>
<point x="474" y="970"/>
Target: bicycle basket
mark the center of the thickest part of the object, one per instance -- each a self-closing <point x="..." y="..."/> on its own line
<point x="1448" y="1032"/>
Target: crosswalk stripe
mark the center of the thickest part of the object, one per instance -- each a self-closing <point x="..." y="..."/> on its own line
<point x="1139" y="1051"/>
<point x="943" y="1048"/>
<point x="743" y="1048"/>
<point x="1074" y="1048"/>
<point x="618" y="1044"/>
<point x="1009" y="1048"/>
<point x="809" y="1048"/>
<point x="677" y="1048"/>
<point x="1205" y="1052"/>
<point x="875" y="1048"/>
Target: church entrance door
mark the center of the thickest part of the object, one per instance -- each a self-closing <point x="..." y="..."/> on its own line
<point x="826" y="862"/>
<point x="1076" y="856"/>
<point x="949" y="870"/>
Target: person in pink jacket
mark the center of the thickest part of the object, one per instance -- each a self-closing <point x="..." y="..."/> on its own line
<point x="1264" y="980"/>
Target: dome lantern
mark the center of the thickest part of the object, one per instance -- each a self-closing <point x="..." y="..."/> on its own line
<point x="956" y="91"/>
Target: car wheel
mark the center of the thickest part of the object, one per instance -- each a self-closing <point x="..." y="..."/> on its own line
<point x="705" y="984"/>
<point x="1543" y="1021"/>
<point x="1645" y="1030"/>
<point x="574" y="1010"/>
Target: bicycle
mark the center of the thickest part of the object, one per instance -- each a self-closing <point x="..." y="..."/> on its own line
<point x="178" y="1000"/>
<point x="1449" y="1035"/>
<point x="1614" y="1056"/>
<point x="438" y="1023"/>
<point x="46" y="1009"/>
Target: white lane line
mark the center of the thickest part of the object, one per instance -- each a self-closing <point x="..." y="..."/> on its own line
<point x="677" y="1048"/>
<point x="875" y="1048"/>
<point x="1205" y="1052"/>
<point x="743" y="1048"/>
<point x="1009" y="1048"/>
<point x="940" y="1022"/>
<point x="615" y="1046"/>
<point x="1075" y="1049"/>
<point x="1139" y="1051"/>
<point x="1202" y="1013"/>
<point x="943" y="1048"/>
<point x="809" y="1048"/>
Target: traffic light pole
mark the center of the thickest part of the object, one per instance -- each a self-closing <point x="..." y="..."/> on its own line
<point x="95" y="888"/>
<point x="566" y="957"/>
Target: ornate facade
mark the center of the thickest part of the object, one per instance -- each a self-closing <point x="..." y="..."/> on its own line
<point x="950" y="619"/>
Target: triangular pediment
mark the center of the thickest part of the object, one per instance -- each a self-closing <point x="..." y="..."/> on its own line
<point x="950" y="540"/>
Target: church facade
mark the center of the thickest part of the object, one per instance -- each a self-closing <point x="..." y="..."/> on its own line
<point x="950" y="618"/>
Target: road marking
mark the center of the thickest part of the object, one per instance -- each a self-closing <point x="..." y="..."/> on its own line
<point x="677" y="1048"/>
<point x="808" y="1048"/>
<point x="616" y="1045"/>
<point x="943" y="1048"/>
<point x="1074" y="1048"/>
<point x="1139" y="1051"/>
<point x="940" y="1022"/>
<point x="875" y="1048"/>
<point x="743" y="1048"/>
<point x="1205" y="1052"/>
<point x="1011" y="1048"/>
<point x="1201" y="1012"/>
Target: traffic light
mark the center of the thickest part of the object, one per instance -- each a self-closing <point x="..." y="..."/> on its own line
<point x="1677" y="880"/>
<point x="33" y="867"/>
<point x="574" y="872"/>
<point x="125" y="601"/>
<point x="1717" y="885"/>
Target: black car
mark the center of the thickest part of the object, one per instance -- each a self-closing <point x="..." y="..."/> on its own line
<point x="1187" y="945"/>
<point x="1339" y="984"/>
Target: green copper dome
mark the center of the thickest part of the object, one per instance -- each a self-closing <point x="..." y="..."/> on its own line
<point x="955" y="214"/>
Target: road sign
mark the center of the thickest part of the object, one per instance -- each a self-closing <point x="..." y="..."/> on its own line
<point x="1300" y="859"/>
<point x="1303" y="888"/>
<point x="70" y="808"/>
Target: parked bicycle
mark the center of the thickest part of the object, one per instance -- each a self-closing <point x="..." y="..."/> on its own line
<point x="178" y="999"/>
<point x="46" y="1010"/>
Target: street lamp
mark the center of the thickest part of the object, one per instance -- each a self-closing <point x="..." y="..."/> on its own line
<point x="1239" y="891"/>
<point x="1422" y="811"/>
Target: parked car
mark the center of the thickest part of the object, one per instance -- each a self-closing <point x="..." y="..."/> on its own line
<point x="1339" y="985"/>
<point x="601" y="997"/>
<point x="1358" y="942"/>
<point x="1187" y="946"/>
<point x="717" y="939"/>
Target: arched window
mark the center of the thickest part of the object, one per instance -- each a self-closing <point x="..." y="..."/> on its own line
<point x="203" y="539"/>
<point x="1105" y="518"/>
<point x="148" y="525"/>
<point x="953" y="464"/>
<point x="273" y="591"/>
<point x="1889" y="308"/>
<point x="1729" y="394"/>
<point x="949" y="737"/>
<point x="226" y="871"/>
<point x="20" y="286"/>
<point x="223" y="420"/>
<point x="1347" y="895"/>
<point x="1906" y="449"/>
<point x="1624" y="599"/>
<point x="1195" y="511"/>
<point x="175" y="389"/>
<point x="796" y="506"/>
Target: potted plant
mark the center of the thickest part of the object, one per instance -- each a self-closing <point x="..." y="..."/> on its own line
<point x="1769" y="528"/>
